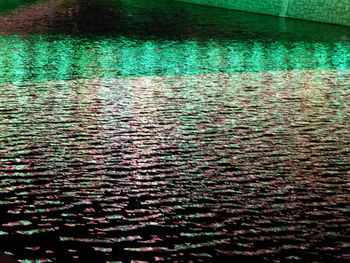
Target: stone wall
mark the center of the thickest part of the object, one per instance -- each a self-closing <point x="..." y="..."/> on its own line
<point x="327" y="11"/>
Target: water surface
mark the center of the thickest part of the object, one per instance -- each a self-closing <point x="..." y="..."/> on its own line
<point x="161" y="131"/>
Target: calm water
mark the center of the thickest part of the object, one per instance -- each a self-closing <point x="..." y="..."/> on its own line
<point x="142" y="131"/>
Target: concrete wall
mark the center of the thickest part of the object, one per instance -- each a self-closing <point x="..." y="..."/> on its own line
<point x="327" y="11"/>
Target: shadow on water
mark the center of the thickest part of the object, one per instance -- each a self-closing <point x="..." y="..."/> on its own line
<point x="7" y="6"/>
<point x="161" y="19"/>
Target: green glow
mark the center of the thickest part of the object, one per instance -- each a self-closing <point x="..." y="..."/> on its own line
<point x="38" y="58"/>
<point x="9" y="5"/>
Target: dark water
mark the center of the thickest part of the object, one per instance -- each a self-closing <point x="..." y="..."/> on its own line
<point x="143" y="131"/>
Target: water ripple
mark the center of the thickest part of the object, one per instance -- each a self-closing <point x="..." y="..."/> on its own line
<point x="224" y="172"/>
<point x="168" y="132"/>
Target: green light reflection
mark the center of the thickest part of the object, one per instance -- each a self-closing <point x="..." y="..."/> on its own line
<point x="39" y="58"/>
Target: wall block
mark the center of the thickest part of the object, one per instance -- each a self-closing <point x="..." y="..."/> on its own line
<point x="326" y="11"/>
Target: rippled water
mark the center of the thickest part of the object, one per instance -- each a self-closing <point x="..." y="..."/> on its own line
<point x="160" y="131"/>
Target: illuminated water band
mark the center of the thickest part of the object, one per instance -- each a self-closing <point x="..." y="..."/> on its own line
<point x="38" y="58"/>
<point x="327" y="11"/>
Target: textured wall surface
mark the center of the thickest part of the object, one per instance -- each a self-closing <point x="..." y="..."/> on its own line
<point x="328" y="11"/>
